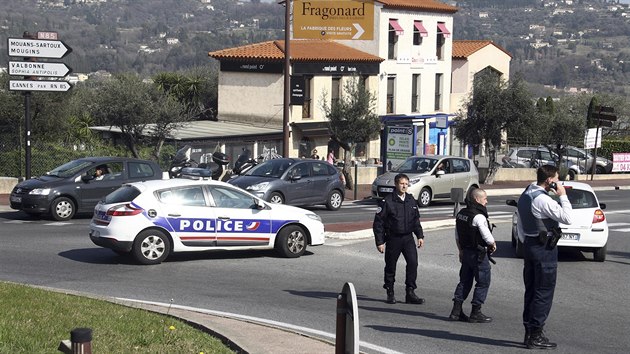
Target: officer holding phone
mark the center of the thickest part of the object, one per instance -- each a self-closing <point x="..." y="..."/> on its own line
<point x="538" y="219"/>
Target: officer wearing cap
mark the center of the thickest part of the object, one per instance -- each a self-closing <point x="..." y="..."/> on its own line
<point x="538" y="218"/>
<point x="397" y="219"/>
<point x="474" y="240"/>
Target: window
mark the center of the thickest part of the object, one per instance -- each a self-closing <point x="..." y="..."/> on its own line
<point x="438" y="92"/>
<point x="139" y="170"/>
<point x="223" y="197"/>
<point x="191" y="196"/>
<point x="460" y="165"/>
<point x="306" y="106"/>
<point x="415" y="93"/>
<point x="335" y="95"/>
<point x="303" y="170"/>
<point x="442" y="34"/>
<point x="392" y="38"/>
<point x="418" y="32"/>
<point x="391" y="81"/>
<point x="322" y="169"/>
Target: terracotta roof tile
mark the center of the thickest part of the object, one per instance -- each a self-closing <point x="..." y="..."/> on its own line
<point x="462" y="49"/>
<point x="424" y="5"/>
<point x="301" y="50"/>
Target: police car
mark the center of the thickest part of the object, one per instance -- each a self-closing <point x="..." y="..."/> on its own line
<point x="152" y="219"/>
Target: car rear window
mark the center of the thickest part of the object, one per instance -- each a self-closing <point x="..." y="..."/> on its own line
<point x="580" y="199"/>
<point x="123" y="194"/>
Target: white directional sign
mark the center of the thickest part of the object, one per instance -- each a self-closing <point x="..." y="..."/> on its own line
<point x="33" y="68"/>
<point x="38" y="85"/>
<point x="36" y="48"/>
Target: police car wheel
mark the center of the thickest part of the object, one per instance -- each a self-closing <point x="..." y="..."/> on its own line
<point x="151" y="247"/>
<point x="276" y="198"/>
<point x="291" y="242"/>
<point x="62" y="209"/>
<point x="424" y="198"/>
<point x="334" y="200"/>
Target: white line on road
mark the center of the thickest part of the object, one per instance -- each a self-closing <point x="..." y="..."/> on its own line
<point x="622" y="230"/>
<point x="58" y="223"/>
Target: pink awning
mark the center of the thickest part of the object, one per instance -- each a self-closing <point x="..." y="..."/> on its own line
<point x="443" y="30"/>
<point x="423" y="31"/>
<point x="396" y="27"/>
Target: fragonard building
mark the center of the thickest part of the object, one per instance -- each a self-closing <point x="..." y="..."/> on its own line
<point x="409" y="61"/>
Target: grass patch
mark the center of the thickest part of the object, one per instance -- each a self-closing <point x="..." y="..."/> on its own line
<point x="36" y="320"/>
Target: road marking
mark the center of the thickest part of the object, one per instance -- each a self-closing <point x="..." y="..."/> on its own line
<point x="282" y="325"/>
<point x="58" y="223"/>
<point x="613" y="224"/>
<point x="17" y="222"/>
<point x="622" y="230"/>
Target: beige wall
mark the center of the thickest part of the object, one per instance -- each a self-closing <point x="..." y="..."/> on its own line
<point x="251" y="97"/>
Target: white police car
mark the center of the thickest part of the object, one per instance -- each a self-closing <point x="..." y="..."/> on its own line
<point x="152" y="219"/>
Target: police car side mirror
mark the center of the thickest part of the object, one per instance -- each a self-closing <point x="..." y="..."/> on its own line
<point x="259" y="204"/>
<point x="511" y="202"/>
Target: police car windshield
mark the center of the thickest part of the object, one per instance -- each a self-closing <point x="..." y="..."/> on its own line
<point x="416" y="165"/>
<point x="69" y="169"/>
<point x="271" y="168"/>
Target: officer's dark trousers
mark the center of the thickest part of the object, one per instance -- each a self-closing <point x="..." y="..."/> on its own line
<point x="394" y="246"/>
<point x="539" y="275"/>
<point x="471" y="269"/>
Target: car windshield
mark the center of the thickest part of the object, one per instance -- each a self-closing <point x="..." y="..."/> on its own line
<point x="69" y="169"/>
<point x="580" y="199"/>
<point x="271" y="168"/>
<point x="416" y="165"/>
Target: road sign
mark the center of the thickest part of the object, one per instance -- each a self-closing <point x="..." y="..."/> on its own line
<point x="605" y="123"/>
<point x="39" y="85"/>
<point x="37" y="48"/>
<point x="33" y="68"/>
<point x="604" y="116"/>
<point x="603" y="109"/>
<point x="591" y="136"/>
<point x="48" y="35"/>
<point x="339" y="19"/>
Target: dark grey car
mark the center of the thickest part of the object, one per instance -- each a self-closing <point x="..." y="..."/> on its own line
<point x="295" y="182"/>
<point x="76" y="187"/>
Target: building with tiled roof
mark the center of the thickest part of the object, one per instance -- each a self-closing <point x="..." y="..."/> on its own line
<point x="471" y="57"/>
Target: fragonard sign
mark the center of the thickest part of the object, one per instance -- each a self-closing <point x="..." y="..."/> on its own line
<point x="333" y="19"/>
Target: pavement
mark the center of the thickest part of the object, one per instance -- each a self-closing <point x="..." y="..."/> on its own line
<point x="245" y="334"/>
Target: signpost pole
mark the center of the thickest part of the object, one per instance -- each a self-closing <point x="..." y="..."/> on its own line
<point x="595" y="151"/>
<point x="27" y="122"/>
<point x="287" y="78"/>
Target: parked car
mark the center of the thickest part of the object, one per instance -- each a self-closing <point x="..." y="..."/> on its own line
<point x="430" y="177"/>
<point x="295" y="182"/>
<point x="589" y="230"/>
<point x="150" y="220"/>
<point x="585" y="160"/>
<point x="78" y="185"/>
<point x="534" y="157"/>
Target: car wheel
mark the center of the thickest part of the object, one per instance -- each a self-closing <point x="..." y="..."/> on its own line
<point x="514" y="237"/>
<point x="291" y="242"/>
<point x="62" y="209"/>
<point x="571" y="175"/>
<point x="600" y="170"/>
<point x="519" y="248"/>
<point x="334" y="200"/>
<point x="151" y="247"/>
<point x="424" y="198"/>
<point x="276" y="198"/>
<point x="600" y="254"/>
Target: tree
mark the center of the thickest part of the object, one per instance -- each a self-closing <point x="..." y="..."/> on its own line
<point x="493" y="108"/>
<point x="352" y="119"/>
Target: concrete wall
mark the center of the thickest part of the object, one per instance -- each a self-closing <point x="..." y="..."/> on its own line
<point x="7" y="184"/>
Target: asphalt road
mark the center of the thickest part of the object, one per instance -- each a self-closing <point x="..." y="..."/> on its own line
<point x="590" y="313"/>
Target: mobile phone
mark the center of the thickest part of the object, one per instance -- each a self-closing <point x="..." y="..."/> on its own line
<point x="553" y="186"/>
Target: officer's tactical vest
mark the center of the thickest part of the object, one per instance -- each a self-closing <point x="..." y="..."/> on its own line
<point x="532" y="226"/>
<point x="469" y="236"/>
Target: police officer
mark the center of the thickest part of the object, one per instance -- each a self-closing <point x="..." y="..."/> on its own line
<point x="538" y="217"/>
<point x="397" y="219"/>
<point x="474" y="240"/>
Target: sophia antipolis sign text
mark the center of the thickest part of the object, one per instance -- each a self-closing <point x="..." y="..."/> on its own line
<point x="333" y="19"/>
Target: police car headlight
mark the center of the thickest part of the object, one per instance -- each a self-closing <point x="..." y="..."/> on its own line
<point x="258" y="186"/>
<point x="314" y="217"/>
<point x="40" y="191"/>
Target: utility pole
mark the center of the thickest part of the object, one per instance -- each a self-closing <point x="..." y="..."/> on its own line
<point x="287" y="79"/>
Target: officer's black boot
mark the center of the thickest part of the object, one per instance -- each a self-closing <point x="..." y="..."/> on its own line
<point x="390" y="295"/>
<point x="412" y="298"/>
<point x="457" y="314"/>
<point x="527" y="335"/>
<point x="476" y="316"/>
<point x="537" y="340"/>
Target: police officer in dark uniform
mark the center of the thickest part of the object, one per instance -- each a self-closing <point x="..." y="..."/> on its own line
<point x="474" y="241"/>
<point x="397" y="219"/>
<point x="538" y="218"/>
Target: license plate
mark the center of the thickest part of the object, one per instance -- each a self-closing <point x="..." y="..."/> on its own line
<point x="100" y="215"/>
<point x="16" y="199"/>
<point x="386" y="190"/>
<point x="571" y="237"/>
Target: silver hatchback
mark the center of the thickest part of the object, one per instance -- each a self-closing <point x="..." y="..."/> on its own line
<point x="430" y="177"/>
